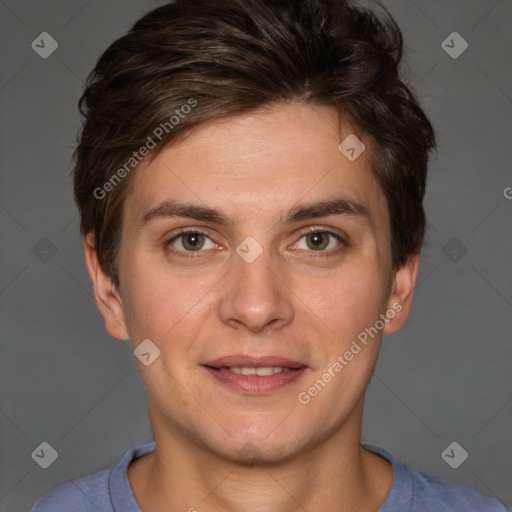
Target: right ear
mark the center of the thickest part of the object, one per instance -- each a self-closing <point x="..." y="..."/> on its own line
<point x="107" y="297"/>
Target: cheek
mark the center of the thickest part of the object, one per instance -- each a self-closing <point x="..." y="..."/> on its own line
<point x="347" y="301"/>
<point x="161" y="305"/>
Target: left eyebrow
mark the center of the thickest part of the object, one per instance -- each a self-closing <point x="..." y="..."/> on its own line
<point x="338" y="206"/>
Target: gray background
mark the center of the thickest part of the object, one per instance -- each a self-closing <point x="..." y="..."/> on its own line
<point x="445" y="377"/>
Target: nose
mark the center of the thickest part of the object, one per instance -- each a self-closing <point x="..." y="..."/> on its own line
<point x="256" y="296"/>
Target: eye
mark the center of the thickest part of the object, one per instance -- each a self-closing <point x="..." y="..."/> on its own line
<point x="190" y="241"/>
<point x="319" y="240"/>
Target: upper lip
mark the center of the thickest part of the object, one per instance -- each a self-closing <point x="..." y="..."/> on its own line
<point x="253" y="362"/>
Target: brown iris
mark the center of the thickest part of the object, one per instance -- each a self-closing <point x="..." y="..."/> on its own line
<point x="316" y="240"/>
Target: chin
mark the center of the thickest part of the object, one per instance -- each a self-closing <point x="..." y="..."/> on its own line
<point x="258" y="452"/>
<point x="257" y="445"/>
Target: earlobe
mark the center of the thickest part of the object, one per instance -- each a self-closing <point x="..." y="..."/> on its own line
<point x="402" y="291"/>
<point x="107" y="297"/>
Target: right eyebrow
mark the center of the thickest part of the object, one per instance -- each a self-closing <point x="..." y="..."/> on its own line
<point x="169" y="209"/>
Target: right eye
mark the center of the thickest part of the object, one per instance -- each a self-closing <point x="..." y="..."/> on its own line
<point x="190" y="241"/>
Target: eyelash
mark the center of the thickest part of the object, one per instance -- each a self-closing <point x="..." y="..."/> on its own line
<point x="195" y="254"/>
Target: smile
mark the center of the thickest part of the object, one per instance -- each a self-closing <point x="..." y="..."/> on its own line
<point x="262" y="371"/>
<point x="255" y="376"/>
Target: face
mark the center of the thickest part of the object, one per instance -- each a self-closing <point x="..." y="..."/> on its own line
<point x="255" y="245"/>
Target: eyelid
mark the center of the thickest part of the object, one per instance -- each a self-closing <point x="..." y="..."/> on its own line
<point x="184" y="231"/>
<point x="321" y="229"/>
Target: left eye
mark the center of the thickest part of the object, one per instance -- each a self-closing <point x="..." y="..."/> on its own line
<point x="319" y="240"/>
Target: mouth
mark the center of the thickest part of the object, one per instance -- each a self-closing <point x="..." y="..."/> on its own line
<point x="255" y="376"/>
<point x="261" y="371"/>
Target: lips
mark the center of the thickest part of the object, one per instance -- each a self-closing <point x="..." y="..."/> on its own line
<point x="255" y="375"/>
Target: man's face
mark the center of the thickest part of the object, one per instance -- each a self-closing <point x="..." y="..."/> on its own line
<point x="275" y="288"/>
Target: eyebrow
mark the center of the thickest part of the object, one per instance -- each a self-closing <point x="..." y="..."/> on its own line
<point x="337" y="206"/>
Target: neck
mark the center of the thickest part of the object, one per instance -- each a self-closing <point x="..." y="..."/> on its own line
<point x="336" y="474"/>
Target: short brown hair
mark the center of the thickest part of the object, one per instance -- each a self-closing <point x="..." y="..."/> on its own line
<point x="232" y="56"/>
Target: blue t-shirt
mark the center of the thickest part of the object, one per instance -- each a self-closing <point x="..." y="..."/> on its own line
<point x="412" y="491"/>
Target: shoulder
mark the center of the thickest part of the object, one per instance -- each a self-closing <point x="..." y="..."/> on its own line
<point x="437" y="494"/>
<point x="82" y="495"/>
<point x="415" y="491"/>
<point x="107" y="490"/>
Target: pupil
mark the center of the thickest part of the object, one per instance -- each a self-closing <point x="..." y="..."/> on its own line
<point x="316" y="240"/>
<point x="193" y="240"/>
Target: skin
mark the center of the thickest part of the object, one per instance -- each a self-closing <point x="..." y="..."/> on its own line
<point x="219" y="449"/>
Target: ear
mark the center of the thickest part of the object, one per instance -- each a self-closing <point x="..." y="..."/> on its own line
<point x="107" y="297"/>
<point x="400" y="298"/>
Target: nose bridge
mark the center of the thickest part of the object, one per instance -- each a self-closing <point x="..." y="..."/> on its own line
<point x="256" y="294"/>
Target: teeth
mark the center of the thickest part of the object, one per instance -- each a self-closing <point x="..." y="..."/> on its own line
<point x="262" y="371"/>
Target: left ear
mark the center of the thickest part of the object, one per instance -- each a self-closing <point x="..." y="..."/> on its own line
<point x="400" y="298"/>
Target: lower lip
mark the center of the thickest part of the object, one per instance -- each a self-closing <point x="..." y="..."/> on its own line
<point x="254" y="384"/>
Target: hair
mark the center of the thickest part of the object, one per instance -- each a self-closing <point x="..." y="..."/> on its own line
<point x="230" y="57"/>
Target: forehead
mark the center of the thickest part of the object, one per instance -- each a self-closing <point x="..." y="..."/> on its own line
<point x="265" y="162"/>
